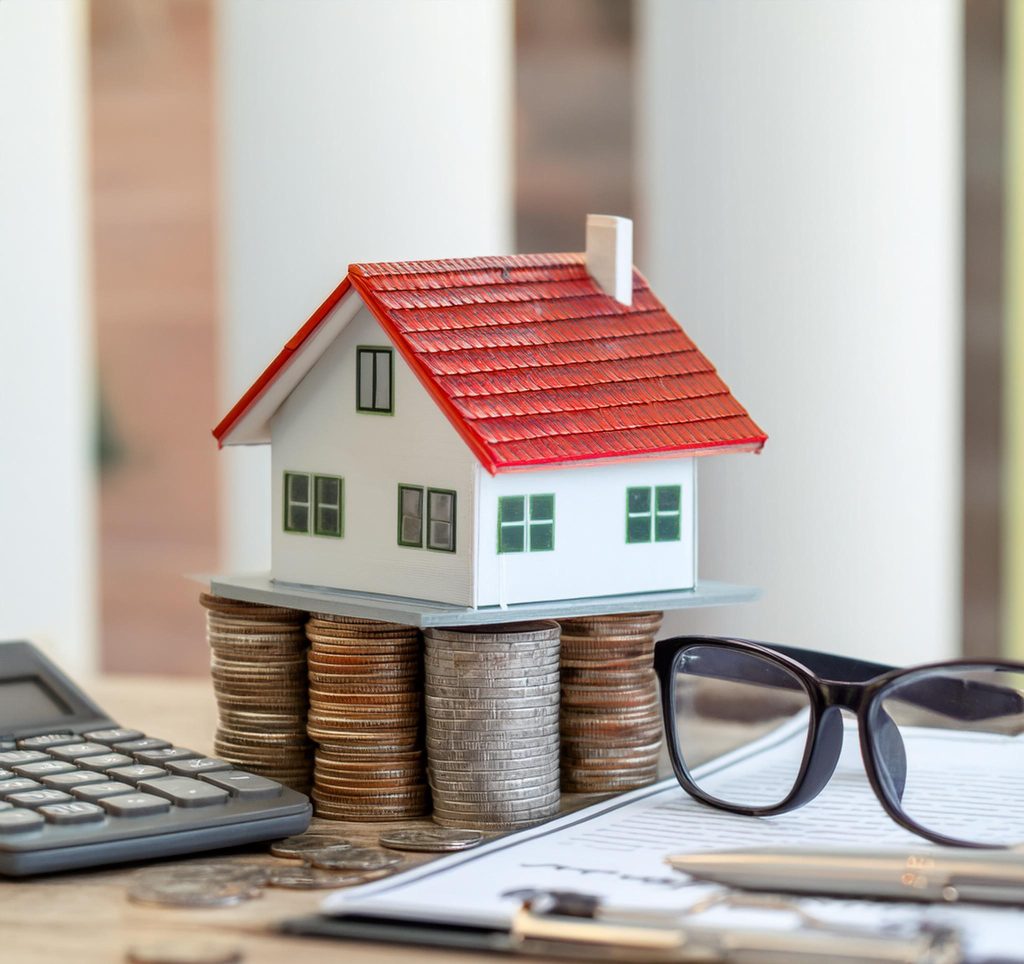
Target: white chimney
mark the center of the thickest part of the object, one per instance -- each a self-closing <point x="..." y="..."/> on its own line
<point x="610" y="255"/>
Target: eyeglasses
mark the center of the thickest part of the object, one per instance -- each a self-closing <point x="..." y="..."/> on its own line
<point x="942" y="744"/>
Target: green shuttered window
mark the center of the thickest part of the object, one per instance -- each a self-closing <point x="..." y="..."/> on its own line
<point x="314" y="503"/>
<point x="654" y="514"/>
<point x="526" y="523"/>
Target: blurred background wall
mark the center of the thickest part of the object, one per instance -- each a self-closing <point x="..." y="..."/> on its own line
<point x="819" y="192"/>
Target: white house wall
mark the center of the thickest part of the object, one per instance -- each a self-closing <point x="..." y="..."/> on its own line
<point x="591" y="556"/>
<point x="318" y="430"/>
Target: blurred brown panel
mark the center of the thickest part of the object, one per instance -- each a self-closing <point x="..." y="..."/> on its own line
<point x="984" y="199"/>
<point x="151" y="90"/>
<point x="574" y="118"/>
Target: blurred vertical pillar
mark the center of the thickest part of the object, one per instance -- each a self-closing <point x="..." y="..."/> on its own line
<point x="350" y="131"/>
<point x="47" y="484"/>
<point x="800" y="174"/>
<point x="1013" y="380"/>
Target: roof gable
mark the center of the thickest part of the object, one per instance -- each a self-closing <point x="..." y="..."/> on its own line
<point x="534" y="365"/>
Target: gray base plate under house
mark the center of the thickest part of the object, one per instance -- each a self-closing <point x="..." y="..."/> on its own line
<point x="261" y="588"/>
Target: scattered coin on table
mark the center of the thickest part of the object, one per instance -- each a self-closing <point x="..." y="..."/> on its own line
<point x="303" y="844"/>
<point x="431" y="840"/>
<point x="310" y="878"/>
<point x="184" y="952"/>
<point x="353" y="858"/>
<point x="198" y="885"/>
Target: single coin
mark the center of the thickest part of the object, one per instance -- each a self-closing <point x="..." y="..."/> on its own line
<point x="184" y="952"/>
<point x="303" y="844"/>
<point x="175" y="889"/>
<point x="431" y="840"/>
<point x="310" y="878"/>
<point x="352" y="858"/>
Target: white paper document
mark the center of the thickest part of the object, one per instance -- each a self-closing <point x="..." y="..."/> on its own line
<point x="616" y="851"/>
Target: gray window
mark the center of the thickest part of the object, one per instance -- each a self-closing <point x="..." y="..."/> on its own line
<point x="410" y="515"/>
<point x="374" y="380"/>
<point x="654" y="514"/>
<point x="329" y="494"/>
<point x="441" y="520"/>
<point x="296" y="502"/>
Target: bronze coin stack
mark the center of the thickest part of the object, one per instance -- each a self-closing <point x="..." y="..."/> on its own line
<point x="258" y="665"/>
<point x="492" y="724"/>
<point x="366" y="716"/>
<point x="611" y="712"/>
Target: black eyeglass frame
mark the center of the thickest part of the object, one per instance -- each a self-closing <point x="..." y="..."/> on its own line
<point x="832" y="683"/>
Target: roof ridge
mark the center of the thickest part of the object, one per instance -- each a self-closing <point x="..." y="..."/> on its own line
<point x="377" y="269"/>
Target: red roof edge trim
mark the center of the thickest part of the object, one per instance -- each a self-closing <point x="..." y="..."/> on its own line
<point x="753" y="444"/>
<point x="476" y="445"/>
<point x="270" y="372"/>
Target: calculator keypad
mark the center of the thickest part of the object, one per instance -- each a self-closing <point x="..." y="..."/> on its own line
<point x="107" y="778"/>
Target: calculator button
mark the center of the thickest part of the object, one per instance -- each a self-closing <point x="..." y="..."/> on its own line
<point x="135" y="805"/>
<point x="246" y="786"/>
<point x="42" y="768"/>
<point x="137" y="772"/>
<point x="16" y="786"/>
<point x="34" y="799"/>
<point x="78" y="811"/>
<point x="95" y="792"/>
<point x="19" y="821"/>
<point x="14" y="757"/>
<point x="185" y="792"/>
<point x="74" y="751"/>
<point x="144" y="743"/>
<point x="113" y="735"/>
<point x="161" y="756"/>
<point x="46" y="740"/>
<point x="105" y="762"/>
<point x="203" y="764"/>
<point x="74" y="778"/>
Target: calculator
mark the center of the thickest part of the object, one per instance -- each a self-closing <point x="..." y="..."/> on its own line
<point x="79" y="790"/>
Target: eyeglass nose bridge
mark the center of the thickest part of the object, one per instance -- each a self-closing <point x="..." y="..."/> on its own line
<point x="844" y="695"/>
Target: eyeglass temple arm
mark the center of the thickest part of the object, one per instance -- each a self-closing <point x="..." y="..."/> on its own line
<point x="973" y="700"/>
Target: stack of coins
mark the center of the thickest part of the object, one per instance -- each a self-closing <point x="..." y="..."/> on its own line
<point x="258" y="664"/>
<point x="611" y="713"/>
<point x="492" y="724"/>
<point x="366" y="716"/>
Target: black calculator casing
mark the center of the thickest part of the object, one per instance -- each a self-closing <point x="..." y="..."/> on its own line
<point x="41" y="686"/>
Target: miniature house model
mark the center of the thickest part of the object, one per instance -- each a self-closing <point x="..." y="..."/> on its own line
<point x="490" y="431"/>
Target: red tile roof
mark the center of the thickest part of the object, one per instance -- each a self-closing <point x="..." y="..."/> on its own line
<point x="534" y="365"/>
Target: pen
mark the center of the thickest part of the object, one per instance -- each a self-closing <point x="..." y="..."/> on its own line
<point x="935" y="875"/>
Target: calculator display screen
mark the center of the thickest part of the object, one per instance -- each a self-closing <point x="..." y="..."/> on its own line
<point x="27" y="702"/>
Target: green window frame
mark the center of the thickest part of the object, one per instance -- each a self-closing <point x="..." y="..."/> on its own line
<point x="297" y="501"/>
<point x="329" y="506"/>
<point x="526" y="523"/>
<point x="375" y="380"/>
<point x="410" y="516"/>
<point x="426" y="517"/>
<point x="654" y="514"/>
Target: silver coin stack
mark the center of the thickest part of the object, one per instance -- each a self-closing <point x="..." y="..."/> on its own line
<point x="492" y="724"/>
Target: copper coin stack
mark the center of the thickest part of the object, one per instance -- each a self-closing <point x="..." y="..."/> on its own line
<point x="366" y="716"/>
<point x="258" y="665"/>
<point x="492" y="724"/>
<point x="611" y="712"/>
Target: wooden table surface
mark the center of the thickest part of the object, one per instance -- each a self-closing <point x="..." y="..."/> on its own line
<point x="82" y="917"/>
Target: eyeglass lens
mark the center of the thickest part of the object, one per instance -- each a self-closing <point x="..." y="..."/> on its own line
<point x="727" y="700"/>
<point x="949" y="745"/>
